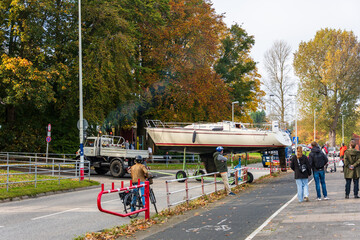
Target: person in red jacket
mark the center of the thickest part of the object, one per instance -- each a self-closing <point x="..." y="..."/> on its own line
<point x="342" y="152"/>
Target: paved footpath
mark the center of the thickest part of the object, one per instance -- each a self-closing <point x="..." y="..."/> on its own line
<point x="272" y="211"/>
<point x="337" y="218"/>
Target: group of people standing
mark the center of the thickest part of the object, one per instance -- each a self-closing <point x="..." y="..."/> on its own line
<point x="316" y="163"/>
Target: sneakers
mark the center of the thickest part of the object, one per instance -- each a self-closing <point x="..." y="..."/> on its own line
<point x="356" y="196"/>
<point x="232" y="194"/>
<point x="326" y="198"/>
<point x="306" y="199"/>
<point x="347" y="196"/>
<point x="318" y="199"/>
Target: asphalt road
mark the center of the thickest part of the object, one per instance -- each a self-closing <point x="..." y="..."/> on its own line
<point x="71" y="214"/>
<point x="237" y="217"/>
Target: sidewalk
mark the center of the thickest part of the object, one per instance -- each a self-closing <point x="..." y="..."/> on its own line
<point x="337" y="218"/>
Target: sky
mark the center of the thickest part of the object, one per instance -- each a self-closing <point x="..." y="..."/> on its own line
<point x="292" y="21"/>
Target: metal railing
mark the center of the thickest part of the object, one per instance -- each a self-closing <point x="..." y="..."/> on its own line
<point x="205" y="180"/>
<point x="40" y="169"/>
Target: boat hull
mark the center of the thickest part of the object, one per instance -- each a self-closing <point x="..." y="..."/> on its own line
<point x="206" y="140"/>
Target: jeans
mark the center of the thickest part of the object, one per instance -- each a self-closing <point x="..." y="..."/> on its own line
<point x="348" y="184"/>
<point x="319" y="177"/>
<point x="302" y="188"/>
<point x="133" y="202"/>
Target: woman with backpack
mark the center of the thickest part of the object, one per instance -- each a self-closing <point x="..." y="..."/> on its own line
<point x="302" y="170"/>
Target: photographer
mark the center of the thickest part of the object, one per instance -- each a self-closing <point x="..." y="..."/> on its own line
<point x="302" y="170"/>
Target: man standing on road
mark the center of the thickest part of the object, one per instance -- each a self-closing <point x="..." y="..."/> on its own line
<point x="318" y="160"/>
<point x="352" y="169"/>
<point x="221" y="166"/>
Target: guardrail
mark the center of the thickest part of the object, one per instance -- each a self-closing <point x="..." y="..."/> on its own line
<point x="213" y="181"/>
<point x="146" y="209"/>
<point x="54" y="168"/>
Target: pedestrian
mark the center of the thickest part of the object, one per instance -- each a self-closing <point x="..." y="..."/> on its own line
<point x="351" y="169"/>
<point x="318" y="160"/>
<point x="342" y="152"/>
<point x="221" y="166"/>
<point x="150" y="154"/>
<point x="302" y="170"/>
<point x="127" y="145"/>
<point x="325" y="150"/>
<point x="138" y="171"/>
<point x="167" y="158"/>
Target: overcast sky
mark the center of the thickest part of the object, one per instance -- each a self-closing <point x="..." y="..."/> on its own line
<point x="290" y="20"/>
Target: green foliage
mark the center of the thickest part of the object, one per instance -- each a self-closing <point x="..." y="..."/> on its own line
<point x="258" y="117"/>
<point x="329" y="70"/>
<point x="141" y="59"/>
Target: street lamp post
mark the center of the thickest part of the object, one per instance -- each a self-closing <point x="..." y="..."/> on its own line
<point x="232" y="110"/>
<point x="342" y="128"/>
<point x="296" y="131"/>
<point x="314" y="125"/>
<point x="81" y="123"/>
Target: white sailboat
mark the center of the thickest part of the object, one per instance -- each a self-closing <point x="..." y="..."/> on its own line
<point x="205" y="137"/>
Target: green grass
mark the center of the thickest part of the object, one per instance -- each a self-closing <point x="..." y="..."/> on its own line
<point x="253" y="158"/>
<point x="28" y="188"/>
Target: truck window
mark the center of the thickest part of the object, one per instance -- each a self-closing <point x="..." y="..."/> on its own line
<point x="89" y="142"/>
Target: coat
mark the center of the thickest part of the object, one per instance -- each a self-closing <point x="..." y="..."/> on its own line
<point x="220" y="162"/>
<point x="296" y="168"/>
<point x="139" y="171"/>
<point x="314" y="152"/>
<point x="352" y="157"/>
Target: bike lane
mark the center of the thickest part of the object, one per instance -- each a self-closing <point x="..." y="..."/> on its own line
<point x="235" y="217"/>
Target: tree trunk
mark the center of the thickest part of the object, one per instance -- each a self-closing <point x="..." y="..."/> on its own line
<point x="332" y="137"/>
<point x="10" y="114"/>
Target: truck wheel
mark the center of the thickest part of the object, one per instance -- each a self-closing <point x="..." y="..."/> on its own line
<point x="180" y="175"/>
<point x="117" y="168"/>
<point x="101" y="171"/>
<point x="250" y="178"/>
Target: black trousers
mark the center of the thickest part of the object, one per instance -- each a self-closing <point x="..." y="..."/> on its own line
<point x="348" y="184"/>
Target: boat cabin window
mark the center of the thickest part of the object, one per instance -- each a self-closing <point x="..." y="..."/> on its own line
<point x="238" y="125"/>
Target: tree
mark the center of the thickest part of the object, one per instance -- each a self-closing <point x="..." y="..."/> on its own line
<point x="258" y="117"/>
<point x="278" y="82"/>
<point x="329" y="70"/>
<point x="239" y="71"/>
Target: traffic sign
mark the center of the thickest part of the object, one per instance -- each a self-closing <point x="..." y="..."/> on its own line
<point x="48" y="139"/>
<point x="49" y="127"/>
<point x="295" y="140"/>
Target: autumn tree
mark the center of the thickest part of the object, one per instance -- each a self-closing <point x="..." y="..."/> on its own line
<point x="329" y="70"/>
<point x="278" y="82"/>
<point x="238" y="70"/>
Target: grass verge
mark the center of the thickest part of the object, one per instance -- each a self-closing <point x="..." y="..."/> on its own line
<point x="24" y="188"/>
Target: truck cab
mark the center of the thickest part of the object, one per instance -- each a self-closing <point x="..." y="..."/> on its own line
<point x="108" y="153"/>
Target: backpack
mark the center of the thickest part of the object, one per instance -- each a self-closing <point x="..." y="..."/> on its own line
<point x="319" y="160"/>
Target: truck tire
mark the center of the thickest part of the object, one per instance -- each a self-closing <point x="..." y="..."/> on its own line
<point x="117" y="168"/>
<point x="101" y="170"/>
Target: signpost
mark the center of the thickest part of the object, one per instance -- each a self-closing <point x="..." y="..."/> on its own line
<point x="48" y="140"/>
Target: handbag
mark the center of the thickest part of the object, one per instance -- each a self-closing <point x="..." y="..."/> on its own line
<point x="341" y="163"/>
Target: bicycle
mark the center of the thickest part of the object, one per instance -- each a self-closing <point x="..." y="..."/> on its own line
<point x="127" y="198"/>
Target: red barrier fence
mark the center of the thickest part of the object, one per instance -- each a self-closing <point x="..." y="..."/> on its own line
<point x="146" y="209"/>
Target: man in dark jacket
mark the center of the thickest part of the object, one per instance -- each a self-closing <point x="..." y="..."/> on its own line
<point x="318" y="160"/>
<point x="221" y="166"/>
<point x="351" y="169"/>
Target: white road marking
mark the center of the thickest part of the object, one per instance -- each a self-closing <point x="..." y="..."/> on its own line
<point x="210" y="227"/>
<point x="69" y="210"/>
<point x="254" y="233"/>
<point x="222" y="221"/>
